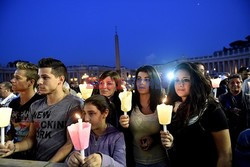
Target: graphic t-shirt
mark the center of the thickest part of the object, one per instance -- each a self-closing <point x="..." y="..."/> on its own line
<point x="19" y="118"/>
<point x="51" y="123"/>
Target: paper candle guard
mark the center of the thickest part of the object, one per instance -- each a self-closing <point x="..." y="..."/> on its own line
<point x="215" y="85"/>
<point x="80" y="139"/>
<point x="164" y="115"/>
<point x="216" y="82"/>
<point x="126" y="100"/>
<point x="86" y="90"/>
<point x="5" y="113"/>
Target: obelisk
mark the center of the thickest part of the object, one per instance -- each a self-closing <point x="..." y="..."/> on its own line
<point x="117" y="53"/>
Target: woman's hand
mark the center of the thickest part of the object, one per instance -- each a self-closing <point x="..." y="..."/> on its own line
<point x="75" y="160"/>
<point x="93" y="160"/>
<point x="166" y="139"/>
<point x="124" y="121"/>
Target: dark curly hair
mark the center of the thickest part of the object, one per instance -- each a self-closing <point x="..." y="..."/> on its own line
<point x="199" y="94"/>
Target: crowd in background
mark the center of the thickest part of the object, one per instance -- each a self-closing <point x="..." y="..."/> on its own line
<point x="208" y="128"/>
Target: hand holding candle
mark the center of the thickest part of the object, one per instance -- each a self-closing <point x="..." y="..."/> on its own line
<point x="126" y="101"/>
<point x="164" y="114"/>
<point x="5" y="114"/>
<point x="79" y="134"/>
<point x="86" y="90"/>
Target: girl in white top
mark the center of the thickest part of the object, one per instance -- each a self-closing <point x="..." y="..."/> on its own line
<point x="143" y="122"/>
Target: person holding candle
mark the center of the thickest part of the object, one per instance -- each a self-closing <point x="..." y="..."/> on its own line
<point x="143" y="122"/>
<point x="106" y="143"/>
<point x="110" y="86"/>
<point x="23" y="82"/>
<point x="6" y="96"/>
<point x="199" y="125"/>
<point x="49" y="116"/>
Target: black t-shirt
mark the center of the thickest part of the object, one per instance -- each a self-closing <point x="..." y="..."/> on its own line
<point x="19" y="125"/>
<point x="194" y="145"/>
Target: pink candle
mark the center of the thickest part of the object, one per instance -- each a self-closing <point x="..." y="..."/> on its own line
<point x="79" y="132"/>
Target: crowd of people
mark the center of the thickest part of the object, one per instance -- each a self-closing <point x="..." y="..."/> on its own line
<point x="205" y="130"/>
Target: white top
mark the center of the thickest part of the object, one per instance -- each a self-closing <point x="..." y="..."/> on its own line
<point x="5" y="102"/>
<point x="146" y="125"/>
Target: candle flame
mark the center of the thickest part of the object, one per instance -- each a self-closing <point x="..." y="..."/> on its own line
<point x="165" y="99"/>
<point x="77" y="116"/>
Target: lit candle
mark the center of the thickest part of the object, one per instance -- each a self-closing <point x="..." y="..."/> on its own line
<point x="80" y="131"/>
<point x="5" y="114"/>
<point x="126" y="101"/>
<point x="86" y="90"/>
<point x="164" y="114"/>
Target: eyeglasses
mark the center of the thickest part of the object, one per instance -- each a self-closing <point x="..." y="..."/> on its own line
<point x="182" y="81"/>
<point x="144" y="80"/>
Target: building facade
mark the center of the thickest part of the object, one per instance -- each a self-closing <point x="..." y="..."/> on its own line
<point x="225" y="61"/>
<point x="221" y="62"/>
<point x="76" y="74"/>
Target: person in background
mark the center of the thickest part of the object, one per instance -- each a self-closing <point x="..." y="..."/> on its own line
<point x="23" y="82"/>
<point x="49" y="116"/>
<point x="246" y="98"/>
<point x="244" y="73"/>
<point x="199" y="125"/>
<point x="143" y="123"/>
<point x="6" y="94"/>
<point x="68" y="90"/>
<point x="242" y="150"/>
<point x="110" y="86"/>
<point x="201" y="67"/>
<point x="234" y="108"/>
<point x="106" y="143"/>
<point x="223" y="86"/>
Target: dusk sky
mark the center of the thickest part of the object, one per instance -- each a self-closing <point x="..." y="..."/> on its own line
<point x="150" y="31"/>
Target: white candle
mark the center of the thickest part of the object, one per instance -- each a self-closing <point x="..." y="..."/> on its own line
<point x="165" y="128"/>
<point x="215" y="92"/>
<point x="80" y="131"/>
<point x="2" y="136"/>
<point x="164" y="115"/>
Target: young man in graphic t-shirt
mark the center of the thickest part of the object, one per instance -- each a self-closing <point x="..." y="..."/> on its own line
<point x="50" y="116"/>
<point x="23" y="82"/>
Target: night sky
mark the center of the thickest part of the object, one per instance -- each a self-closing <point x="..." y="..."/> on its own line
<point x="150" y="31"/>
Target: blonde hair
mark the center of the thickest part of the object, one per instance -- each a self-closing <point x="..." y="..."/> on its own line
<point x="31" y="71"/>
